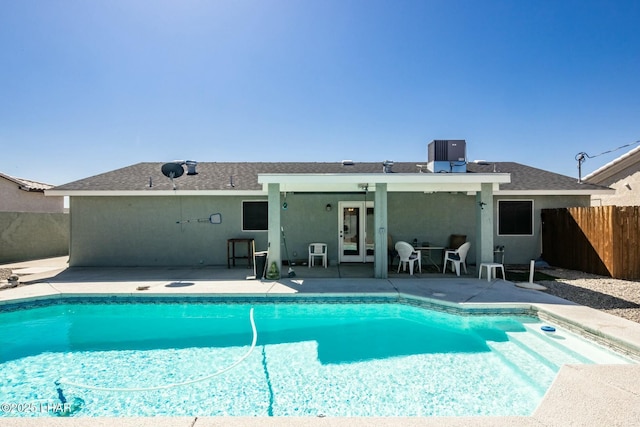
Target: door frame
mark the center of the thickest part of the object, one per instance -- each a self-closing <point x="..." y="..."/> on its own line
<point x="362" y="235"/>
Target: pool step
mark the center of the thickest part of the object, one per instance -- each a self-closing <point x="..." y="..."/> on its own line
<point x="531" y="357"/>
<point x="537" y="355"/>
<point x="581" y="349"/>
<point x="524" y="364"/>
<point x="551" y="354"/>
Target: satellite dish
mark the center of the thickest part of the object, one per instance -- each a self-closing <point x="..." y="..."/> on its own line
<point x="172" y="170"/>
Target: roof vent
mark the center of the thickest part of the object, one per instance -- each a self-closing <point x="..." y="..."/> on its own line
<point x="387" y="165"/>
<point x="191" y="167"/>
<point x="347" y="163"/>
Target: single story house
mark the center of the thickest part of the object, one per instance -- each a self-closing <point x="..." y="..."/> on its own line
<point x="31" y="225"/>
<point x="147" y="215"/>
<point x="24" y="195"/>
<point x="623" y="175"/>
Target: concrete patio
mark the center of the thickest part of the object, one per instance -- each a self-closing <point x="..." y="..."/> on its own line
<point x="581" y="394"/>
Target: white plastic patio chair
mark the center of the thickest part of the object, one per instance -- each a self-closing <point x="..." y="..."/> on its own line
<point x="317" y="250"/>
<point x="408" y="255"/>
<point x="457" y="258"/>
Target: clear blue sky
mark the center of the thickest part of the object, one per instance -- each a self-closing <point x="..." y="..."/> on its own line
<point x="90" y="86"/>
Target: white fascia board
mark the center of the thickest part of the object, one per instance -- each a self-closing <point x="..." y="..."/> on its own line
<point x="323" y="188"/>
<point x="553" y="192"/>
<point x="395" y="188"/>
<point x="438" y="188"/>
<point x="394" y="181"/>
<point x="178" y="192"/>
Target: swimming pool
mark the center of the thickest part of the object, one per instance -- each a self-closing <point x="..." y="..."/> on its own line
<point x="85" y="357"/>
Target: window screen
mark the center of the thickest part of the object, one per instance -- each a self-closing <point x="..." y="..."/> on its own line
<point x="255" y="216"/>
<point x="515" y="217"/>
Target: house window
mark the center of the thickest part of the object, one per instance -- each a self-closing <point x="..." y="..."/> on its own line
<point x="515" y="217"/>
<point x="255" y="215"/>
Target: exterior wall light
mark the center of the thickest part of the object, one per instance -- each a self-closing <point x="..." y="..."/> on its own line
<point x="328" y="207"/>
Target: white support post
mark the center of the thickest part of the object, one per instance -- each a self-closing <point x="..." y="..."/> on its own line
<point x="381" y="258"/>
<point x="484" y="224"/>
<point x="274" y="227"/>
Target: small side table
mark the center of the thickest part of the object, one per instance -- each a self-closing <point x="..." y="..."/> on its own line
<point x="426" y="253"/>
<point x="231" y="251"/>
<point x="492" y="268"/>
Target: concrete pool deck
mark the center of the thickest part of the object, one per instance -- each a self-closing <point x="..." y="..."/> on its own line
<point x="582" y="395"/>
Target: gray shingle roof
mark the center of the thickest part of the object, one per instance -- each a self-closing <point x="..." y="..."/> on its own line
<point x="527" y="178"/>
<point x="244" y="176"/>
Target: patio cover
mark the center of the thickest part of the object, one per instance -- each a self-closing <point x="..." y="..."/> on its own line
<point x="482" y="185"/>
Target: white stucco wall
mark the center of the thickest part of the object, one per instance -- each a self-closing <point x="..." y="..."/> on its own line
<point x="627" y="186"/>
<point x="13" y="199"/>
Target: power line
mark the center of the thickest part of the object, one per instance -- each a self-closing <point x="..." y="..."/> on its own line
<point x="582" y="157"/>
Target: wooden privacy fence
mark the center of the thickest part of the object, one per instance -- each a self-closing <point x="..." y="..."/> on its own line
<point x="600" y="240"/>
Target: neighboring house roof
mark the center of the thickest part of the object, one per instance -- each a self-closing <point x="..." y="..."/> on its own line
<point x="26" y="184"/>
<point x="242" y="177"/>
<point x="608" y="173"/>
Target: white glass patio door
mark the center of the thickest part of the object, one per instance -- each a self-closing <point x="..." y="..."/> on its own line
<point x="355" y="242"/>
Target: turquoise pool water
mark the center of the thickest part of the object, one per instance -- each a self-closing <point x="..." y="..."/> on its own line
<point x="308" y="360"/>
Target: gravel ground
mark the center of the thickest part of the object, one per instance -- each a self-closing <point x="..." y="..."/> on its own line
<point x="618" y="297"/>
<point x="4" y="274"/>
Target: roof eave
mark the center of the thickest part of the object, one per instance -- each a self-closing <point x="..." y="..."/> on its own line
<point x="613" y="167"/>
<point x="394" y="181"/>
<point x="553" y="192"/>
<point x="176" y="192"/>
<point x="25" y="185"/>
<point x="31" y="189"/>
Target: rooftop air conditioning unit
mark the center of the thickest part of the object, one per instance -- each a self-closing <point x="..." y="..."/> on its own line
<point x="447" y="155"/>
